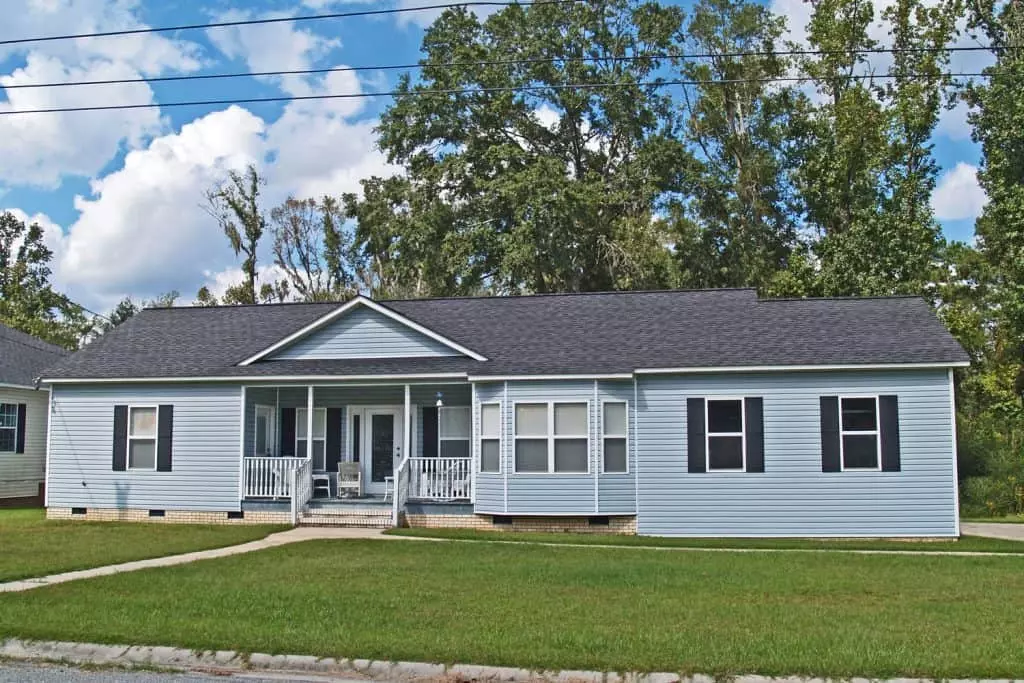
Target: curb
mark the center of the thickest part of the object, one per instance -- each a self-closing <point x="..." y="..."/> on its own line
<point x="228" y="662"/>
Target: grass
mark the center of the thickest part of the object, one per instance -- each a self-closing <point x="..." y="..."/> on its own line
<point x="549" y="607"/>
<point x="31" y="545"/>
<point x="964" y="544"/>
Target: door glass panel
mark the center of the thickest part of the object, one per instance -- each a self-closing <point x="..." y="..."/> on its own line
<point x="382" y="447"/>
<point x="261" y="434"/>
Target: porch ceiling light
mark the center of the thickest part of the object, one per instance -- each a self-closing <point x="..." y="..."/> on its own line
<point x="440" y="400"/>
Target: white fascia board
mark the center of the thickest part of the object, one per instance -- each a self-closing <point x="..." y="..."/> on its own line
<point x="800" y="368"/>
<point x="516" y="378"/>
<point x="373" y="306"/>
<point x="257" y="379"/>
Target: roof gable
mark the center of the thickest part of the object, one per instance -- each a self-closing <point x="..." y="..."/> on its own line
<point x="362" y="328"/>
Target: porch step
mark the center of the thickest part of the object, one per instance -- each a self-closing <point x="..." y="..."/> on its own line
<point x="351" y="516"/>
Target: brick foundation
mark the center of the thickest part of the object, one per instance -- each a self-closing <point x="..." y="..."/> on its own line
<point x="170" y="516"/>
<point x="625" y="525"/>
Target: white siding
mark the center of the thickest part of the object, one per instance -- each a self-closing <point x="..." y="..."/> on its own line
<point x="21" y="473"/>
<point x="205" y="449"/>
<point x="793" y="497"/>
<point x="363" y="333"/>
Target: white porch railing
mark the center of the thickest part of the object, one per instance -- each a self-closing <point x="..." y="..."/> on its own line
<point x="440" y="478"/>
<point x="268" y="477"/>
<point x="302" y="485"/>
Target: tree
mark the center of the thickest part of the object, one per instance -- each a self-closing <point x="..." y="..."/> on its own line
<point x="28" y="302"/>
<point x="734" y="224"/>
<point x="235" y="205"/>
<point x="547" y="189"/>
<point x="864" y="169"/>
<point x="313" y="249"/>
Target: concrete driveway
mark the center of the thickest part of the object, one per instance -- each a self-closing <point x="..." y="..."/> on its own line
<point x="1011" y="532"/>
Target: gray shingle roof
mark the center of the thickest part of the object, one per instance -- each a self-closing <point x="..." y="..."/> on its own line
<point x="23" y="358"/>
<point x="545" y="334"/>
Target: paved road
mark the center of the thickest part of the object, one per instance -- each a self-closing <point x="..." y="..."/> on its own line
<point x="1012" y="532"/>
<point x="47" y="673"/>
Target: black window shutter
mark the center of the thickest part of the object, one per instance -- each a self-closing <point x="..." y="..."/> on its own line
<point x="164" y="437"/>
<point x="754" y="426"/>
<point x="430" y="432"/>
<point x="19" y="445"/>
<point x="889" y="423"/>
<point x="332" y="444"/>
<point x="288" y="432"/>
<point x="695" y="455"/>
<point x="120" y="438"/>
<point x="830" y="434"/>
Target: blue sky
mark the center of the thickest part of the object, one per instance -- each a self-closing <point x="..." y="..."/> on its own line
<point x="120" y="193"/>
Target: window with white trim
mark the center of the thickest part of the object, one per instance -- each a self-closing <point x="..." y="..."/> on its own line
<point x="859" y="436"/>
<point x="725" y="435"/>
<point x="319" y="436"/>
<point x="454" y="430"/>
<point x="614" y="436"/>
<point x="552" y="437"/>
<point x="142" y="421"/>
<point x="490" y="438"/>
<point x="8" y="427"/>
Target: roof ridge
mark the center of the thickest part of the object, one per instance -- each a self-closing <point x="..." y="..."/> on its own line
<point x="460" y="298"/>
<point x="871" y="297"/>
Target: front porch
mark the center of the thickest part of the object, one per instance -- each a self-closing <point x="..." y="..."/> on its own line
<point x="375" y="445"/>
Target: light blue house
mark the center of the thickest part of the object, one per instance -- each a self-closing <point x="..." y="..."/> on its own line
<point x="678" y="413"/>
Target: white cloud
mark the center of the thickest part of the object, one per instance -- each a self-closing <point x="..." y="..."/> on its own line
<point x="426" y="17"/>
<point x="219" y="281"/>
<point x="958" y="194"/>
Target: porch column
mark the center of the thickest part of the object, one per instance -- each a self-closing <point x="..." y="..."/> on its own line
<point x="309" y="422"/>
<point x="406" y="435"/>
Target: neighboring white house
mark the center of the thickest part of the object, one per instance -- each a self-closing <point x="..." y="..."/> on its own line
<point x="23" y="412"/>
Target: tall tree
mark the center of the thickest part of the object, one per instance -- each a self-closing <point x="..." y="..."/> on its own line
<point x="235" y="204"/>
<point x="864" y="168"/>
<point x="734" y="221"/>
<point x="545" y="189"/>
<point x="28" y="301"/>
<point x="314" y="250"/>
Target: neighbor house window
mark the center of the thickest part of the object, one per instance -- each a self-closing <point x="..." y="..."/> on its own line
<point x="859" y="433"/>
<point x="319" y="436"/>
<point x="490" y="437"/>
<point x="8" y="427"/>
<point x="614" y="436"/>
<point x="142" y="437"/>
<point x="725" y="439"/>
<point x="455" y="427"/>
<point x="552" y="437"/>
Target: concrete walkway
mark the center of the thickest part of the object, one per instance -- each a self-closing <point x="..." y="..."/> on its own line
<point x="295" y="535"/>
<point x="1009" y="532"/>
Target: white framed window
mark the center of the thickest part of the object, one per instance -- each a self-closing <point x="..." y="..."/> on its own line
<point x="552" y="437"/>
<point x="454" y="431"/>
<point x="724" y="428"/>
<point x="319" y="436"/>
<point x="615" y="437"/>
<point x="8" y="427"/>
<point x="490" y="438"/>
<point x="142" y="423"/>
<point x="860" y="439"/>
<point x="265" y="443"/>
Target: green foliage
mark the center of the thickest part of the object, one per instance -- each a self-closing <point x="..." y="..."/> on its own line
<point x="27" y="300"/>
<point x="235" y="205"/>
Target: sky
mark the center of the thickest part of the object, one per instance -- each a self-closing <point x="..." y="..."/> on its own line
<point x="120" y="193"/>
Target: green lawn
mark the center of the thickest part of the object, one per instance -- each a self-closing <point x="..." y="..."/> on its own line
<point x="964" y="544"/>
<point x="31" y="545"/>
<point x="830" y="614"/>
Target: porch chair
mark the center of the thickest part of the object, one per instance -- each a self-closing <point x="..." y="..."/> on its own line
<point x="321" y="482"/>
<point x="350" y="479"/>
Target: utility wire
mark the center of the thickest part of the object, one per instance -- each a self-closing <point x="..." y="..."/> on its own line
<point x="276" y="20"/>
<point x="466" y="91"/>
<point x="496" y="62"/>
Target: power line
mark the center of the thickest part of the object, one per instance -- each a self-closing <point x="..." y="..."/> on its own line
<point x="276" y="20"/>
<point x="468" y="91"/>
<point x="497" y="62"/>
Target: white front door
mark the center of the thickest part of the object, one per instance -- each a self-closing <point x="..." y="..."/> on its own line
<point x="382" y="445"/>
